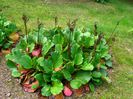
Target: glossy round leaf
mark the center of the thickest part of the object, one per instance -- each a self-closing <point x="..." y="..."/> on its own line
<point x="78" y="59"/>
<point x="87" y="66"/>
<point x="56" y="88"/>
<point x="96" y="74"/>
<point x="75" y="83"/>
<point x="16" y="73"/>
<point x="11" y="64"/>
<point x="45" y="91"/>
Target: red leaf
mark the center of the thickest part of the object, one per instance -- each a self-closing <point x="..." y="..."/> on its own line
<point x="28" y="87"/>
<point x="0" y="54"/>
<point x="86" y="88"/>
<point x="36" y="52"/>
<point x="67" y="91"/>
<point x="24" y="71"/>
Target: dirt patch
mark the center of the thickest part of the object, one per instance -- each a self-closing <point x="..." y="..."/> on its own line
<point x="10" y="87"/>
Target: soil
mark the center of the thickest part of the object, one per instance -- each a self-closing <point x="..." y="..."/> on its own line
<point x="10" y="87"/>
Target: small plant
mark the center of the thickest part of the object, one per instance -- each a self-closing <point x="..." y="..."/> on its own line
<point x="60" y="60"/>
<point x="8" y="34"/>
<point x="102" y="1"/>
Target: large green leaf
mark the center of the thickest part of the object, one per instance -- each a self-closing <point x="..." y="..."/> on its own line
<point x="46" y="47"/>
<point x="87" y="66"/>
<point x="11" y="64"/>
<point x="25" y="61"/>
<point x="78" y="59"/>
<point x="58" y="48"/>
<point x="15" y="55"/>
<point x="87" y="39"/>
<point x="16" y="73"/>
<point x="58" y="39"/>
<point x="65" y="56"/>
<point x="84" y="76"/>
<point x="57" y="76"/>
<point x="46" y="64"/>
<point x="57" y="59"/>
<point x="45" y="91"/>
<point x="74" y="49"/>
<point x="77" y="35"/>
<point x="19" y="58"/>
<point x="81" y="78"/>
<point x="47" y="77"/>
<point x="66" y="74"/>
<point x="40" y="79"/>
<point x="96" y="74"/>
<point x="57" y="87"/>
<point x="69" y="67"/>
<point x="22" y="44"/>
<point x="75" y="83"/>
<point x="107" y="56"/>
<point x="31" y="47"/>
<point x="109" y="63"/>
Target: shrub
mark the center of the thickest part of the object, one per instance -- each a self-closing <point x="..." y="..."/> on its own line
<point x="8" y="34"/>
<point x="51" y="60"/>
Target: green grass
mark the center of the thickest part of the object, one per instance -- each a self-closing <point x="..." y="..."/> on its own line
<point x="89" y="12"/>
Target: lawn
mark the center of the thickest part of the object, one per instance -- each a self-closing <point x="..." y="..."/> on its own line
<point x="106" y="15"/>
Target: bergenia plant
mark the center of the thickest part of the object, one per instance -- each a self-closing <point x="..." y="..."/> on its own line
<point x="8" y="34"/>
<point x="60" y="60"/>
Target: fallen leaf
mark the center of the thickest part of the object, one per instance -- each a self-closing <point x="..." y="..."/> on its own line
<point x="6" y="51"/>
<point x="59" y="96"/>
<point x="14" y="36"/>
<point x="78" y="92"/>
<point x="58" y="69"/>
<point x="27" y="85"/>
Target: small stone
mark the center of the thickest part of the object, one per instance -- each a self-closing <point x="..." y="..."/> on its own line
<point x="9" y="79"/>
<point x="8" y="94"/>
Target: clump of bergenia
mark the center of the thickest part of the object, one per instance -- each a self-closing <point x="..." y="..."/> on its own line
<point x="8" y="35"/>
<point x="60" y="61"/>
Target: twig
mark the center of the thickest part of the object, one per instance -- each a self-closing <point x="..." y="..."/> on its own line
<point x="39" y="27"/>
<point x="71" y="26"/>
<point x="56" y="21"/>
<point x="95" y="29"/>
<point x="112" y="34"/>
<point x="100" y="36"/>
<point x="25" y="19"/>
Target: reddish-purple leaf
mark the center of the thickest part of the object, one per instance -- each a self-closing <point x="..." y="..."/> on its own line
<point x="36" y="52"/>
<point x="67" y="91"/>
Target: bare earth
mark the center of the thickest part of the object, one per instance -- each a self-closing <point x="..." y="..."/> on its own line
<point x="10" y="87"/>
